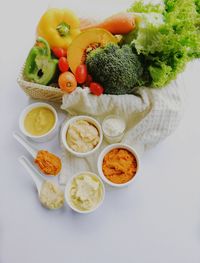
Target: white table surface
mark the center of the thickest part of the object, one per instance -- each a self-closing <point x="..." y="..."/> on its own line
<point x="156" y="220"/>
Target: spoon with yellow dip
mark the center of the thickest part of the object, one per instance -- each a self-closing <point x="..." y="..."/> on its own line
<point x="48" y="163"/>
<point x="50" y="194"/>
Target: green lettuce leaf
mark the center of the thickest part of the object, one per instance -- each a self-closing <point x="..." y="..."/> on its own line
<point x="140" y="7"/>
<point x="167" y="46"/>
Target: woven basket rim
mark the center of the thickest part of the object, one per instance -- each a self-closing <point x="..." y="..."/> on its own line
<point x="30" y="84"/>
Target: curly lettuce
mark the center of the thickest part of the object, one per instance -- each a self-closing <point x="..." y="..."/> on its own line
<point x="140" y="7"/>
<point x="168" y="45"/>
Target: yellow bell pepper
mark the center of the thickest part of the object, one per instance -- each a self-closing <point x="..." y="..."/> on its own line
<point x="59" y="27"/>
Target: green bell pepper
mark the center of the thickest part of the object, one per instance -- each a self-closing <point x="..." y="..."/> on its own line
<point x="40" y="67"/>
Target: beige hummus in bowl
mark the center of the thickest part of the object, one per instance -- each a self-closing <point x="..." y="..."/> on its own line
<point x="81" y="135"/>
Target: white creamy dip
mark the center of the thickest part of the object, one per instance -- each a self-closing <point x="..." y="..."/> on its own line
<point x="113" y="128"/>
<point x="51" y="196"/>
<point x="85" y="192"/>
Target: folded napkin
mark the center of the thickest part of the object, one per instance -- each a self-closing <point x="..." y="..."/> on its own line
<point x="150" y="118"/>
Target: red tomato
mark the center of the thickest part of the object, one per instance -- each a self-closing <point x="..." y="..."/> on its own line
<point x="67" y="82"/>
<point x="96" y="88"/>
<point x="88" y="80"/>
<point x="63" y="64"/>
<point x="59" y="52"/>
<point x="81" y="74"/>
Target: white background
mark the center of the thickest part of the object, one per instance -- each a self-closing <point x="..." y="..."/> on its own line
<point x="156" y="220"/>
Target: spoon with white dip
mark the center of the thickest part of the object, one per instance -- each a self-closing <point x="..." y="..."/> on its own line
<point x="50" y="195"/>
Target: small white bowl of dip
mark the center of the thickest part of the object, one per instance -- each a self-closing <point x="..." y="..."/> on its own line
<point x="81" y="135"/>
<point x="84" y="192"/>
<point x="38" y="121"/>
<point x="115" y="159"/>
<point x="113" y="127"/>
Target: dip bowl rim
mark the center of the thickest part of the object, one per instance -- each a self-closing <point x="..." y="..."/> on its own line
<point x="67" y="189"/>
<point x="64" y="133"/>
<point x="106" y="150"/>
<point x="26" y="110"/>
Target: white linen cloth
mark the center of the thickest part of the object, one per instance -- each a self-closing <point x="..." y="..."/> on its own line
<point x="149" y="118"/>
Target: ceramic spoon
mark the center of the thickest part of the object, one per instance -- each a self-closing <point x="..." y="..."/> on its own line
<point x="25" y="143"/>
<point x="35" y="175"/>
<point x="27" y="146"/>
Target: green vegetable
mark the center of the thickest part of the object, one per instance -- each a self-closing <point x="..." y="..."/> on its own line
<point x="117" y="69"/>
<point x="169" y="44"/>
<point x="140" y="7"/>
<point x="40" y="67"/>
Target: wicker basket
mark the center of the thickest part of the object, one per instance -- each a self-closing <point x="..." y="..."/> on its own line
<point x="38" y="91"/>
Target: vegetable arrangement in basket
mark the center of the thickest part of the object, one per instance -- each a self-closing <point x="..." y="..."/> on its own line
<point x="147" y="45"/>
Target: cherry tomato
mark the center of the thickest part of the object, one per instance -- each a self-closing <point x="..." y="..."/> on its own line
<point x="63" y="64"/>
<point x="96" y="88"/>
<point x="88" y="80"/>
<point x="81" y="73"/>
<point x="59" y="52"/>
<point x="67" y="82"/>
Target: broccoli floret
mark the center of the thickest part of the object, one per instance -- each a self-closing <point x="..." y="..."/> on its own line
<point x="118" y="70"/>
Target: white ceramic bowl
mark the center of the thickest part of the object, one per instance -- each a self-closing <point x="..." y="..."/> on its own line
<point x="107" y="150"/>
<point x="68" y="199"/>
<point x="64" y="133"/>
<point x="41" y="138"/>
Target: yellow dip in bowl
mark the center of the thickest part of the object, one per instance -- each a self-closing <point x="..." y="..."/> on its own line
<point x="39" y="121"/>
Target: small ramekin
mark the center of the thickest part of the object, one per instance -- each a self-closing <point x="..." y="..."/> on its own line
<point x="107" y="150"/>
<point x="64" y="133"/>
<point x="116" y="138"/>
<point x="41" y="138"/>
<point x="67" y="197"/>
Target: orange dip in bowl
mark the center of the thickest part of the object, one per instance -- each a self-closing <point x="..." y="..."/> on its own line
<point x="119" y="166"/>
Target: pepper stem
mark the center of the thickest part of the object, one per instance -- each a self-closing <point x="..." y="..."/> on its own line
<point x="63" y="29"/>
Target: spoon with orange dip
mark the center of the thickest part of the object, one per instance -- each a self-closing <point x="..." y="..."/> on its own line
<point x="48" y="163"/>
